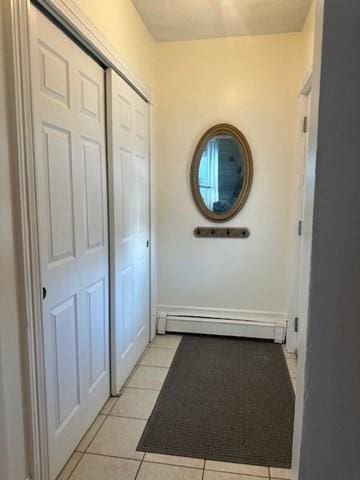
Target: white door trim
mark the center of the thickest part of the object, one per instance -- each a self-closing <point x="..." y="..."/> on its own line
<point x="74" y="21"/>
<point x="306" y="85"/>
<point x="305" y="89"/>
<point x="309" y="214"/>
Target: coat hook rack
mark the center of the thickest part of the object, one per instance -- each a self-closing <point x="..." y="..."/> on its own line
<point x="221" y="232"/>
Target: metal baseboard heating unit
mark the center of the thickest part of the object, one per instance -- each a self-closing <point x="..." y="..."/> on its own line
<point x="235" y="323"/>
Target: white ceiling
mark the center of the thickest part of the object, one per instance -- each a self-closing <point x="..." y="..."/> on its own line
<point x="170" y="20"/>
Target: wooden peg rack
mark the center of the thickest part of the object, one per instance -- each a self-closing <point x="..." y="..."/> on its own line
<point x="221" y="232"/>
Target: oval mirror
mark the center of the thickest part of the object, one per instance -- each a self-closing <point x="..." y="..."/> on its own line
<point x="221" y="172"/>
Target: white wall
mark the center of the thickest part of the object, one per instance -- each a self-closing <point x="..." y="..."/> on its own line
<point x="251" y="82"/>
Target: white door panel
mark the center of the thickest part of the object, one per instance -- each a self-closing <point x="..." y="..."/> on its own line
<point x="129" y="185"/>
<point x="69" y="118"/>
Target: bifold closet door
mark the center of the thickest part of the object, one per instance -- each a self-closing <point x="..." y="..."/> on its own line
<point x="68" y="91"/>
<point x="128" y="142"/>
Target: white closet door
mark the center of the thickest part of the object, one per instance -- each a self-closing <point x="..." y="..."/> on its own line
<point x="69" y="118"/>
<point x="129" y="194"/>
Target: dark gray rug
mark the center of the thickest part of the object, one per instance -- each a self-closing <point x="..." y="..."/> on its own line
<point x="224" y="399"/>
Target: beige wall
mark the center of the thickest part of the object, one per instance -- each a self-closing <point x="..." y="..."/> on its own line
<point x="251" y="82"/>
<point x="119" y="21"/>
<point x="309" y="37"/>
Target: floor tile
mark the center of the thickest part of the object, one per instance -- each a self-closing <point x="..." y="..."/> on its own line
<point x="280" y="473"/>
<point x="287" y="354"/>
<point x="119" y="437"/>
<point x="108" y="405"/>
<point x="90" y="434"/>
<point x="69" y="467"/>
<point x="156" y="471"/>
<point x="237" y="468"/>
<point x="148" y="377"/>
<point x="135" y="403"/>
<point x="292" y="366"/>
<point x="173" y="460"/>
<point x="208" y="475"/>
<point x="158" y="357"/>
<point x="97" y="467"/>
<point x="167" y="341"/>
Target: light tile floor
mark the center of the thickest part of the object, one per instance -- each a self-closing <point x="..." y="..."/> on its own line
<point x="108" y="449"/>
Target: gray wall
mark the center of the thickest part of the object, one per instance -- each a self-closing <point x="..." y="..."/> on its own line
<point x="330" y="447"/>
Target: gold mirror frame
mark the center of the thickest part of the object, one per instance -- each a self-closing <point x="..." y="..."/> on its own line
<point x="221" y="129"/>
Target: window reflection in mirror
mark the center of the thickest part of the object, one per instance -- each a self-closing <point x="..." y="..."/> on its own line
<point x="221" y="173"/>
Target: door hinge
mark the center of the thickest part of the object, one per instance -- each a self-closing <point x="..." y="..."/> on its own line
<point x="296" y="324"/>
<point x="147" y="243"/>
<point x="305" y="124"/>
<point x="300" y="228"/>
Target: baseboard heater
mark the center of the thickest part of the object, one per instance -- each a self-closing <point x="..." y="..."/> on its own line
<point x="262" y="325"/>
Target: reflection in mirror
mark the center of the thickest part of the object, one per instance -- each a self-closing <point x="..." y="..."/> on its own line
<point x="221" y="173"/>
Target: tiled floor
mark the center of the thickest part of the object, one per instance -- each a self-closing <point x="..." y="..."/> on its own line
<point x="292" y="366"/>
<point x="108" y="449"/>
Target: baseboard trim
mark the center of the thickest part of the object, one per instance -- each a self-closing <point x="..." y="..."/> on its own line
<point x="215" y="321"/>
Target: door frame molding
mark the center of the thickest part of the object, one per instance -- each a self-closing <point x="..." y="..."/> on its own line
<point x="309" y="214"/>
<point x="75" y="22"/>
<point x="304" y="91"/>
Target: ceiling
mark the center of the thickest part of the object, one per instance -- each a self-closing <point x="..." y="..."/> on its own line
<point x="171" y="20"/>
